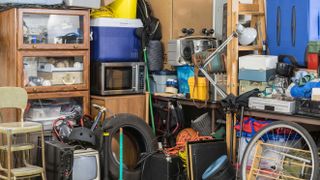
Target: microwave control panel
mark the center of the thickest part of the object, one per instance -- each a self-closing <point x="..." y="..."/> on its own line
<point x="141" y="77"/>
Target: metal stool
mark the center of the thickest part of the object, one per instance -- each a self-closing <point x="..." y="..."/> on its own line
<point x="14" y="97"/>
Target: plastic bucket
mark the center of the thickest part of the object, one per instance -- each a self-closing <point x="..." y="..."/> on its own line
<point x="198" y="91"/>
<point x="124" y="9"/>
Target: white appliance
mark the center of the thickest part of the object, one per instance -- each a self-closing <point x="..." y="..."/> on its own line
<point x="281" y="106"/>
<point x="86" y="165"/>
<point x="258" y="62"/>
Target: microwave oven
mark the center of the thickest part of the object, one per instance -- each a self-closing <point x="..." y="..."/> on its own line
<point x="117" y="78"/>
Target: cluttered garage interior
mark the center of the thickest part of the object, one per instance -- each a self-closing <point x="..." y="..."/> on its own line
<point x="160" y="89"/>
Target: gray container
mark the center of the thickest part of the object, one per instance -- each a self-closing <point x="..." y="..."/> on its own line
<point x="256" y="75"/>
<point x="160" y="80"/>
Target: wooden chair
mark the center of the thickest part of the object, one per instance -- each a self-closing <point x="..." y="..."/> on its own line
<point x="15" y="97"/>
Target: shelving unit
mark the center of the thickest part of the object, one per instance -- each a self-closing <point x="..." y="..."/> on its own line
<point x="257" y="12"/>
<point x="47" y="52"/>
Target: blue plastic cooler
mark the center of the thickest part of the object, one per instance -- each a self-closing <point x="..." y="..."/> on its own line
<point x="114" y="40"/>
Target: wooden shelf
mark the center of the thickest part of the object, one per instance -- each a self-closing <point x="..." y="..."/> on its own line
<point x="284" y="117"/>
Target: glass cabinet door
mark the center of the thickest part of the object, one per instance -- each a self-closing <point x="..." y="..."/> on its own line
<point x="46" y="111"/>
<point x="43" y="30"/>
<point x="54" y="73"/>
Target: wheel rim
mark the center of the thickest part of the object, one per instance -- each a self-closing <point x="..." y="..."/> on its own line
<point x="267" y="153"/>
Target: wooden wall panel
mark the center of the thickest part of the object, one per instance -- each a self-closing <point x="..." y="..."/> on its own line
<point x="177" y="14"/>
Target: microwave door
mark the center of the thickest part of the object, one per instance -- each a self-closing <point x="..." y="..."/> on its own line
<point x="119" y="80"/>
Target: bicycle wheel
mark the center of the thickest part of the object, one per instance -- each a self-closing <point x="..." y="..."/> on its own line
<point x="281" y="150"/>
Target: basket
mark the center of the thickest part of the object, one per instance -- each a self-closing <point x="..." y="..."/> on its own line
<point x="202" y="124"/>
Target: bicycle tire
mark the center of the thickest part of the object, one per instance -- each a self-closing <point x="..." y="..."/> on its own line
<point x="282" y="124"/>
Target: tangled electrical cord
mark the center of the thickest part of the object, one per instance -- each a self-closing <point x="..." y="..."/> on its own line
<point x="61" y="129"/>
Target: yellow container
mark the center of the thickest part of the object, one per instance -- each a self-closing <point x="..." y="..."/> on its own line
<point x="200" y="90"/>
<point x="124" y="9"/>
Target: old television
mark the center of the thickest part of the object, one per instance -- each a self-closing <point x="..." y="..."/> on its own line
<point x="86" y="165"/>
<point x="66" y="162"/>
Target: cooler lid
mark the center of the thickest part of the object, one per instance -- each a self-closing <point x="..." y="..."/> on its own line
<point x="116" y="22"/>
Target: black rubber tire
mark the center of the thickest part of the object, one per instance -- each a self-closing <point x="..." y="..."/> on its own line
<point x="296" y="126"/>
<point x="113" y="124"/>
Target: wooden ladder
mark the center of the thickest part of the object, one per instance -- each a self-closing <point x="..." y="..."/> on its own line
<point x="258" y="21"/>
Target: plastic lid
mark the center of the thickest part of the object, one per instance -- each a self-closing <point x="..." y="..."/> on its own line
<point x="215" y="167"/>
<point x="116" y="22"/>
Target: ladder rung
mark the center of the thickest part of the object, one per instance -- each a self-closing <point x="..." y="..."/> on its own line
<point x="251" y="13"/>
<point x="249" y="48"/>
<point x="248" y="7"/>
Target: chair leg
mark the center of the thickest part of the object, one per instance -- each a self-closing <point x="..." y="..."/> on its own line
<point x="43" y="156"/>
<point x="43" y="176"/>
<point x="9" y="155"/>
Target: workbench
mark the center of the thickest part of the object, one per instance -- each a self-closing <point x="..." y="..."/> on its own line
<point x="212" y="105"/>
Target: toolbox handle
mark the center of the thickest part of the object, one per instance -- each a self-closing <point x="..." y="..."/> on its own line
<point x="293" y="26"/>
<point x="278" y="25"/>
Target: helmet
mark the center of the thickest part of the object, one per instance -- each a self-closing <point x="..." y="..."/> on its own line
<point x="83" y="134"/>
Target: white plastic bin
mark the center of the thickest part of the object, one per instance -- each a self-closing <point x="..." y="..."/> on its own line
<point x="95" y="4"/>
<point x="258" y="62"/>
<point x="44" y="113"/>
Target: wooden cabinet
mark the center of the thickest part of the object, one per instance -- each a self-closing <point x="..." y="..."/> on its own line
<point x="52" y="29"/>
<point x="133" y="104"/>
<point x="47" y="52"/>
<point x="42" y="64"/>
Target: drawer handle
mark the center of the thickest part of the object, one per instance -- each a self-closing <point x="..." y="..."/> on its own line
<point x="34" y="89"/>
<point x="75" y="46"/>
<point x="34" y="46"/>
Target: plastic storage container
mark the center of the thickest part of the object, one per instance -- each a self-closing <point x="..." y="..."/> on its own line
<point x="184" y="73"/>
<point x="83" y="3"/>
<point x="124" y="9"/>
<point x="200" y="91"/>
<point x="44" y="113"/>
<point x="258" y="62"/>
<point x="114" y="40"/>
<point x="160" y="79"/>
<point x="40" y="2"/>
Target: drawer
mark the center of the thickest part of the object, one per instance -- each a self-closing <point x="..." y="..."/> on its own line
<point x="53" y="29"/>
<point x="52" y="71"/>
